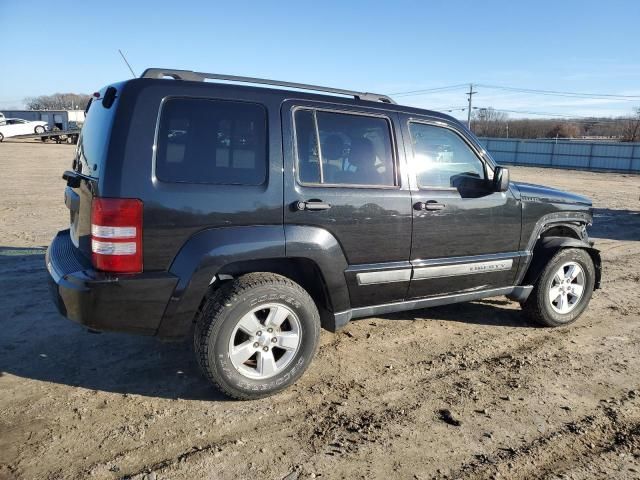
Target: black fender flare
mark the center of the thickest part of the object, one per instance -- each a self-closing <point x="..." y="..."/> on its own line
<point x="320" y="246"/>
<point x="200" y="259"/>
<point x="208" y="251"/>
<point x="547" y="247"/>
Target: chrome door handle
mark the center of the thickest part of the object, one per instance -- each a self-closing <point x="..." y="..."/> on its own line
<point x="434" y="205"/>
<point x="429" y="205"/>
<point x="312" y="205"/>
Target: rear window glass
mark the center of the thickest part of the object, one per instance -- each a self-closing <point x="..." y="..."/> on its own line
<point x="94" y="139"/>
<point x="212" y="141"/>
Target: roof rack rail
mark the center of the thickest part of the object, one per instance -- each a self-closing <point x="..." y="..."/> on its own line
<point x="201" y="77"/>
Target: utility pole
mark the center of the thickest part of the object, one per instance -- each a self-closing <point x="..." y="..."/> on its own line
<point x="470" y="94"/>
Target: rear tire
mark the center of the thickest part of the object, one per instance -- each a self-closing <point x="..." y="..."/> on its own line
<point x="256" y="335"/>
<point x="563" y="289"/>
<point x="39" y="129"/>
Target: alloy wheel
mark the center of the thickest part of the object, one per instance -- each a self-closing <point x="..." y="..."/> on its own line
<point x="265" y="341"/>
<point x="567" y="288"/>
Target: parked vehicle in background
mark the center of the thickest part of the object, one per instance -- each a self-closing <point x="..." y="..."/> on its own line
<point x="250" y="217"/>
<point x="3" y="120"/>
<point x="17" y="126"/>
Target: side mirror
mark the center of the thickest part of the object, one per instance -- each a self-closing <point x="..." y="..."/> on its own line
<point x="501" y="179"/>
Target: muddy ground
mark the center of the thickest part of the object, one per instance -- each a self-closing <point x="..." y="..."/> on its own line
<point x="465" y="391"/>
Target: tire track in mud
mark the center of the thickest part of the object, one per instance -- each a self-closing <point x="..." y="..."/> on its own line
<point x="503" y="365"/>
<point x="329" y="429"/>
<point x="605" y="430"/>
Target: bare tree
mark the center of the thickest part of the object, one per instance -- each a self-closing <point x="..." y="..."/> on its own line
<point x="631" y="128"/>
<point x="58" y="101"/>
<point x="488" y="122"/>
<point x="564" y="130"/>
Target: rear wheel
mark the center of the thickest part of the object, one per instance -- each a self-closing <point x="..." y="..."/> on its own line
<point x="563" y="290"/>
<point x="39" y="129"/>
<point x="257" y="335"/>
<point x="1" y="137"/>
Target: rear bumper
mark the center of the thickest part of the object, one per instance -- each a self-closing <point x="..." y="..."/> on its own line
<point x="127" y="303"/>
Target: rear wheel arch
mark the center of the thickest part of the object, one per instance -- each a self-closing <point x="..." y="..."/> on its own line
<point x="303" y="271"/>
<point x="313" y="258"/>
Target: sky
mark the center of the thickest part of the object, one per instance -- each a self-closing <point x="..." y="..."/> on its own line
<point x="384" y="47"/>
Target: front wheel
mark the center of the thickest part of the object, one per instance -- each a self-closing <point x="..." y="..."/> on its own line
<point x="39" y="129"/>
<point x="563" y="289"/>
<point x="257" y="335"/>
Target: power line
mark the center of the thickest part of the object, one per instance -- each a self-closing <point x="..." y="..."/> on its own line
<point x="557" y="93"/>
<point x="533" y="91"/>
<point x="425" y="91"/>
<point x="450" y="109"/>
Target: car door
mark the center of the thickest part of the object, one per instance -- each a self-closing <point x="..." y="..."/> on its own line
<point x="342" y="167"/>
<point x="21" y="127"/>
<point x="465" y="234"/>
<point x="11" y="128"/>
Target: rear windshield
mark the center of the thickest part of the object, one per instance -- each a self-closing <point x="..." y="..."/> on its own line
<point x="94" y="138"/>
<point x="212" y="141"/>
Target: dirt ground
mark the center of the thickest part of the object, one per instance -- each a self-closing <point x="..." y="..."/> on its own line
<point x="464" y="391"/>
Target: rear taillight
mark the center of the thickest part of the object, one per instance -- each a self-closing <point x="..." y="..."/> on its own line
<point x="116" y="234"/>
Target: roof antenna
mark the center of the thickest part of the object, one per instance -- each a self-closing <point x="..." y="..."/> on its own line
<point x="125" y="61"/>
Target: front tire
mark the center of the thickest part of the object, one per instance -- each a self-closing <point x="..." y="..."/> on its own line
<point x="39" y="129"/>
<point x="563" y="289"/>
<point x="257" y="335"/>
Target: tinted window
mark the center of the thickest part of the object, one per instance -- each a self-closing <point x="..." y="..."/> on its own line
<point x="94" y="139"/>
<point x="354" y="149"/>
<point x="212" y="141"/>
<point x="441" y="157"/>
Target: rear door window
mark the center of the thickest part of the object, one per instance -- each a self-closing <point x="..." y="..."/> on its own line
<point x="212" y="142"/>
<point x="344" y="149"/>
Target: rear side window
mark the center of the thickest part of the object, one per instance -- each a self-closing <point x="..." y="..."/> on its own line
<point x="212" y="141"/>
<point x="343" y="149"/>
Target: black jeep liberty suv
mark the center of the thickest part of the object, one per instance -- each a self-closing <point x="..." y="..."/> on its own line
<point x="249" y="216"/>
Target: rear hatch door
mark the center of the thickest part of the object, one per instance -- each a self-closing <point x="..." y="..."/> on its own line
<point x="89" y="166"/>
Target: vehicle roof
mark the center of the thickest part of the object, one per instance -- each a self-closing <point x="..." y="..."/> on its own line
<point x="292" y="94"/>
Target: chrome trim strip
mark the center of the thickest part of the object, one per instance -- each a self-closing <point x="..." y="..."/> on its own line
<point x="343" y="317"/>
<point x="462" y="269"/>
<point x="389" y="276"/>
<point x="429" y="262"/>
